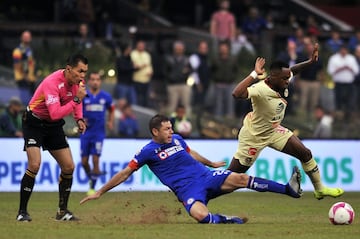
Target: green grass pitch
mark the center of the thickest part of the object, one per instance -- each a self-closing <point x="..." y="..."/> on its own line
<point x="159" y="215"/>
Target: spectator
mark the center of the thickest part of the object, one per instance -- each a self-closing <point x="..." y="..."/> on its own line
<point x="10" y="119"/>
<point x="354" y="40"/>
<point x="84" y="40"/>
<point x="309" y="81"/>
<point x="118" y="112"/>
<point x="223" y="23"/>
<point x="327" y="92"/>
<point x="253" y="26"/>
<point x="299" y="39"/>
<point x="312" y="26"/>
<point x="180" y="123"/>
<point x="125" y="68"/>
<point x="293" y="22"/>
<point x="334" y="43"/>
<point x="224" y="75"/>
<point x="241" y="42"/>
<point x="200" y="66"/>
<point x="142" y="59"/>
<point x="290" y="56"/>
<point x="357" y="79"/>
<point x="177" y="71"/>
<point x="323" y="129"/>
<point x="128" y="125"/>
<point x="86" y="14"/>
<point x="24" y="67"/>
<point x="343" y="68"/>
<point x="270" y="23"/>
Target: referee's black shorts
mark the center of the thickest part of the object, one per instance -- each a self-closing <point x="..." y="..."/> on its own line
<point x="41" y="133"/>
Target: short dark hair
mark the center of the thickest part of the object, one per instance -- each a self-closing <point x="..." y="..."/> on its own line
<point x="74" y="60"/>
<point x="95" y="73"/>
<point x="156" y="121"/>
<point x="278" y="65"/>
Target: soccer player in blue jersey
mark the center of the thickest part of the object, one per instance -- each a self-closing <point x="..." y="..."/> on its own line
<point x="95" y="106"/>
<point x="183" y="171"/>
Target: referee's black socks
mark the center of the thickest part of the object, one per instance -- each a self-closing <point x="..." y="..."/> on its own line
<point x="27" y="185"/>
<point x="65" y="183"/>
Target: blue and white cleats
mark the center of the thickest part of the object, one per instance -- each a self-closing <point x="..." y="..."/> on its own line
<point x="293" y="187"/>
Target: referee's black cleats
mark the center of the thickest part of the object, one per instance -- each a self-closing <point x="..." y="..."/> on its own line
<point x="65" y="215"/>
<point x="23" y="216"/>
<point x="293" y="187"/>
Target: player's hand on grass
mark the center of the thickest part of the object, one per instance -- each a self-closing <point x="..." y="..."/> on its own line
<point x="218" y="164"/>
<point x="259" y="65"/>
<point x="91" y="197"/>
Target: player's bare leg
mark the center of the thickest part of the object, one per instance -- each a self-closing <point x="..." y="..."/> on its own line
<point x="237" y="167"/>
<point x="94" y="174"/>
<point x="85" y="164"/>
<point x="66" y="163"/>
<point x="297" y="149"/>
<point x="96" y="169"/>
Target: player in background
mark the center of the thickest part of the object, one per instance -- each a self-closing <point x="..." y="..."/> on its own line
<point x="183" y="170"/>
<point x="95" y="106"/>
<point x="57" y="96"/>
<point x="262" y="127"/>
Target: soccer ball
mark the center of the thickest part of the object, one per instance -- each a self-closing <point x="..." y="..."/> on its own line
<point x="341" y="213"/>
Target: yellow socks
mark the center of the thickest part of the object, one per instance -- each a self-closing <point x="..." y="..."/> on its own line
<point x="312" y="170"/>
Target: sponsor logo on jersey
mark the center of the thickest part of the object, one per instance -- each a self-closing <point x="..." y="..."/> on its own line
<point x="94" y="107"/>
<point x="252" y="151"/>
<point x="176" y="142"/>
<point x="190" y="201"/>
<point x="102" y="101"/>
<point x="61" y="85"/>
<point x="69" y="93"/>
<point x="163" y="155"/>
<point x="52" y="99"/>
<point x="170" y="151"/>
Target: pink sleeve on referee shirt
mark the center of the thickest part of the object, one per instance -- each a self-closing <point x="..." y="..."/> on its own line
<point x="78" y="112"/>
<point x="52" y="102"/>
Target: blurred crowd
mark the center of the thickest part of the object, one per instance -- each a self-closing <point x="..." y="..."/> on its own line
<point x="191" y="83"/>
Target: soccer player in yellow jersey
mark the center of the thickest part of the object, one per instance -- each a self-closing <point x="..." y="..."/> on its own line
<point x="262" y="127"/>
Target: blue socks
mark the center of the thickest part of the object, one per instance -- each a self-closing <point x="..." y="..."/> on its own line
<point x="212" y="219"/>
<point x="218" y="218"/>
<point x="264" y="185"/>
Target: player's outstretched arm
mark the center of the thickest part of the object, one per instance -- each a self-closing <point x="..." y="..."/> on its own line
<point x="117" y="179"/>
<point x="240" y="90"/>
<point x="300" y="66"/>
<point x="205" y="161"/>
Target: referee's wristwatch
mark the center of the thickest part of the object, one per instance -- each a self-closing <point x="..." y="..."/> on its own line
<point x="77" y="100"/>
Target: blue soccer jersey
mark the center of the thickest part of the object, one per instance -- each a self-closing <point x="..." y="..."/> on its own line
<point x="94" y="112"/>
<point x="189" y="179"/>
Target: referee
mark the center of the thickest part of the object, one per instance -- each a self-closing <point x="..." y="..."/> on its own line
<point x="58" y="95"/>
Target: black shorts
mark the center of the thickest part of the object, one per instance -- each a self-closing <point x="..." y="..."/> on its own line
<point x="41" y="133"/>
